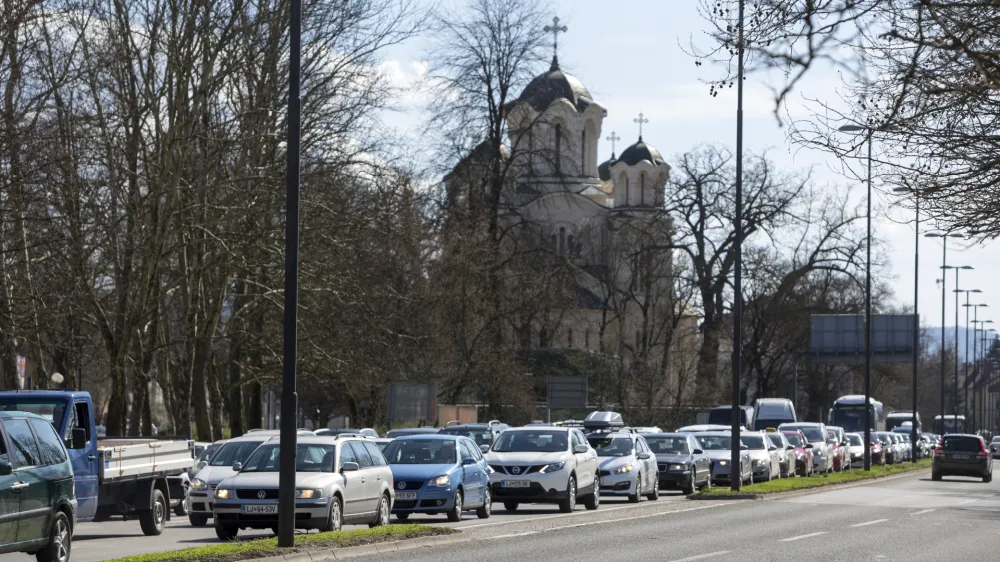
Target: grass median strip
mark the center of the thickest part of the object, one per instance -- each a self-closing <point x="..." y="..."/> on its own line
<point x="263" y="548"/>
<point x="792" y="484"/>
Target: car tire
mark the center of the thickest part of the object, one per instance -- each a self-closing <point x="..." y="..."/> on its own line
<point x="455" y="513"/>
<point x="197" y="520"/>
<point x="274" y="530"/>
<point x="180" y="510"/>
<point x="510" y="506"/>
<point x="655" y="494"/>
<point x="153" y="519"/>
<point x="987" y="478"/>
<point x="381" y="513"/>
<point x="569" y="504"/>
<point x="593" y="501"/>
<point x="688" y="489"/>
<point x="708" y="483"/>
<point x="402" y="516"/>
<point x="634" y="498"/>
<point x="484" y="511"/>
<point x="335" y="520"/>
<point x="60" y="541"/>
<point x="935" y="477"/>
<point x="226" y="532"/>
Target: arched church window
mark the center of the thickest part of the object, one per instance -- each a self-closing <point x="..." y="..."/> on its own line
<point x="626" y="186"/>
<point x="558" y="148"/>
<point x="583" y="152"/>
<point x="571" y="246"/>
<point x="642" y="188"/>
<point x="586" y="338"/>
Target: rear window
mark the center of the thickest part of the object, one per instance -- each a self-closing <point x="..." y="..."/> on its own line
<point x="771" y="410"/>
<point x="960" y="443"/>
<point x="855" y="440"/>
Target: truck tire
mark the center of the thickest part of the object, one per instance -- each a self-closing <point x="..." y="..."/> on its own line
<point x="152" y="519"/>
<point x="197" y="520"/>
<point x="60" y="541"/>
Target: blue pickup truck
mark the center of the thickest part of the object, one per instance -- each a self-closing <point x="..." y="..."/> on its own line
<point x="133" y="478"/>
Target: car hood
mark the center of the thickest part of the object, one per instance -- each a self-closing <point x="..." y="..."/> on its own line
<point x="720" y="454"/>
<point x="611" y="463"/>
<point x="760" y="454"/>
<point x="270" y="480"/>
<point x="525" y="458"/>
<point x="674" y="458"/>
<point x="212" y="475"/>
<point x="419" y="471"/>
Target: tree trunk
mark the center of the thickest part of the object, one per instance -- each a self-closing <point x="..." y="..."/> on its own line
<point x="707" y="386"/>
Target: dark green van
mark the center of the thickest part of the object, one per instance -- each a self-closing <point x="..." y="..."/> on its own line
<point x="37" y="502"/>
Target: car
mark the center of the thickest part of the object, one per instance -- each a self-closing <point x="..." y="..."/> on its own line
<point x="855" y="449"/>
<point x="717" y="446"/>
<point x="763" y="456"/>
<point x="337" y="481"/>
<point x="878" y="451"/>
<point x="222" y="465"/>
<point x="786" y="453"/>
<point x="37" y="493"/>
<point x="838" y="452"/>
<point x="330" y="432"/>
<point x="803" y="454"/>
<point x="681" y="461"/>
<point x="723" y="415"/>
<point x="893" y="452"/>
<point x="706" y="427"/>
<point x="627" y="466"/>
<point x="382" y="442"/>
<point x="394" y="433"/>
<point x="816" y="435"/>
<point x="842" y="443"/>
<point x="995" y="447"/>
<point x="439" y="473"/>
<point x="772" y="412"/>
<point x="907" y="445"/>
<point x="544" y="464"/>
<point x="481" y="433"/>
<point x="962" y="455"/>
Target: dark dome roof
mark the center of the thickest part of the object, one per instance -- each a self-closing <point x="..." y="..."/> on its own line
<point x="640" y="151"/>
<point x="604" y="170"/>
<point x="553" y="85"/>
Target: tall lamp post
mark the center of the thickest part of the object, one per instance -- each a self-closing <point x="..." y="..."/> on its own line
<point x="734" y="452"/>
<point x="990" y="406"/>
<point x="958" y="269"/>
<point x="944" y="295"/>
<point x="965" y="384"/>
<point x="977" y="411"/>
<point x="916" y="309"/>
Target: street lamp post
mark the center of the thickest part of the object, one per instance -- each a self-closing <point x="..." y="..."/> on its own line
<point x="944" y="295"/>
<point x="916" y="309"/>
<point x="734" y="452"/>
<point x="975" y="316"/>
<point x="990" y="408"/>
<point x="958" y="269"/>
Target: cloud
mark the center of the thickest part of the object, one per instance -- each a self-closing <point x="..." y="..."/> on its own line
<point x="408" y="78"/>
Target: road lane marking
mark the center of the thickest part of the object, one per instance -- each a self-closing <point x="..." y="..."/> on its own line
<point x="574" y="514"/>
<point x="800" y="537"/>
<point x="865" y="524"/>
<point x="701" y="556"/>
<point x="922" y="512"/>
<point x="966" y="502"/>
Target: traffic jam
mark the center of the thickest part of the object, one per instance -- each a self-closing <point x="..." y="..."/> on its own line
<point x="57" y="470"/>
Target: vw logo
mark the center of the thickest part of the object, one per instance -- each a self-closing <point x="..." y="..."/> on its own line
<point x="261" y="494"/>
<point x="401" y="485"/>
<point x="516" y="470"/>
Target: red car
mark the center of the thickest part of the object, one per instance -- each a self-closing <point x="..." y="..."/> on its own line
<point x="878" y="453"/>
<point x="803" y="456"/>
<point x="838" y="451"/>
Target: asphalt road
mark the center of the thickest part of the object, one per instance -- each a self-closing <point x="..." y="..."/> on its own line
<point x="909" y="519"/>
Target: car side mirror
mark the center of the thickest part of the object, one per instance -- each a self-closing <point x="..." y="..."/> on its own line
<point x="79" y="438"/>
<point x="201" y="465"/>
<point x="349" y="467"/>
<point x="580" y="449"/>
<point x="484" y="448"/>
<point x="772" y="448"/>
<point x="809" y="445"/>
<point x="5" y="468"/>
<point x="844" y="443"/>
<point x="643" y="456"/>
<point x="237" y="466"/>
<point x="790" y="448"/>
<point x="468" y="460"/>
<point x="744" y="448"/>
<point x="698" y="452"/>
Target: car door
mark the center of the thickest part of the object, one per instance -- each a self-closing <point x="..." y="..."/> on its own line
<point x="702" y="466"/>
<point x="9" y="498"/>
<point x="368" y="478"/>
<point x="585" y="469"/>
<point x="354" y="484"/>
<point x="471" y="474"/>
<point x="35" y="497"/>
<point x="84" y="461"/>
<point x="380" y="468"/>
<point x="649" y="471"/>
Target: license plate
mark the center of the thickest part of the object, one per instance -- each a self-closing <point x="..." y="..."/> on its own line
<point x="961" y="457"/>
<point x="516" y="484"/>
<point x="259" y="509"/>
<point x="406" y="495"/>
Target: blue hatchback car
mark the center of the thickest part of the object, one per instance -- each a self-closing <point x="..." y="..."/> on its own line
<point x="438" y="474"/>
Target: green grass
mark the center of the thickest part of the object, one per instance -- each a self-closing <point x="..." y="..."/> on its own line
<point x="791" y="484"/>
<point x="263" y="548"/>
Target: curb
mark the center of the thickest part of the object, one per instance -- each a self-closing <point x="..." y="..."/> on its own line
<point x="369" y="549"/>
<point x="807" y="491"/>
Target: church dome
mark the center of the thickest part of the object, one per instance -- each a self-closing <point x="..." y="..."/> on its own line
<point x="552" y="85"/>
<point x="604" y="170"/>
<point x="640" y="151"/>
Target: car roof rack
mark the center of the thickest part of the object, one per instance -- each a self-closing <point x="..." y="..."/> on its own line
<point x="603" y="420"/>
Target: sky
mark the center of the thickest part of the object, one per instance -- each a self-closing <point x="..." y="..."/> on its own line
<point x="633" y="58"/>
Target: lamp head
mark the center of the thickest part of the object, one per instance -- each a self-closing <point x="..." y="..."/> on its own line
<point x="852" y="129"/>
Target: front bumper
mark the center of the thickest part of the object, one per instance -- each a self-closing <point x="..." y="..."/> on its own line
<point x="201" y="502"/>
<point x="675" y="479"/>
<point x="309" y="514"/>
<point x="542" y="488"/>
<point x="429" y="499"/>
<point x="618" y="484"/>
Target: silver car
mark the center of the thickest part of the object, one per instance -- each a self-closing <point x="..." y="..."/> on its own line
<point x="201" y="496"/>
<point x="786" y="453"/>
<point x="716" y="446"/>
<point x="337" y="481"/>
<point x="764" y="458"/>
<point x="817" y="436"/>
<point x="628" y="467"/>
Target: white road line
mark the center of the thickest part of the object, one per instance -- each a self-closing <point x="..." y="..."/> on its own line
<point x="800" y="537"/>
<point x="966" y="502"/>
<point x="865" y="524"/>
<point x="701" y="556"/>
<point x="922" y="512"/>
<point x="564" y="515"/>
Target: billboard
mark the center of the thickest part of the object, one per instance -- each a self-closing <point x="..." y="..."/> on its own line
<point x="567" y="392"/>
<point x="840" y="338"/>
<point x="412" y="402"/>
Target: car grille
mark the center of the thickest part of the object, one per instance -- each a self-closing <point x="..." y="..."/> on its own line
<point x="254" y="494"/>
<point x="500" y="492"/>
<point x="521" y="470"/>
<point x="662" y="466"/>
<point x="404" y="504"/>
<point x="605" y="473"/>
<point x="408" y="484"/>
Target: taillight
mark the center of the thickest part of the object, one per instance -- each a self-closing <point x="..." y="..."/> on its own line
<point x="982" y="451"/>
<point x="938" y="452"/>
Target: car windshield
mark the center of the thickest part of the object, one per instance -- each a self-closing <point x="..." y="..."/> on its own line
<point x="855" y="440"/>
<point x="309" y="457"/>
<point x="755" y="442"/>
<point x="960" y="443"/>
<point x="715" y="442"/>
<point x="996" y="439"/>
<point x="421" y="451"/>
<point x="668" y="445"/>
<point x="480" y="436"/>
<point x="234" y="452"/>
<point x="532" y="441"/>
<point x="776" y="441"/>
<point x="50" y="410"/>
<point x="612" y="446"/>
<point x="794" y="439"/>
<point x="813" y="434"/>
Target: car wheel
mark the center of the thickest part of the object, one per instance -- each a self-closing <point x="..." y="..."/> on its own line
<point x="569" y="504"/>
<point x="180" y="510"/>
<point x="334" y="521"/>
<point x="60" y="541"/>
<point x="455" y="513"/>
<point x="402" y="516"/>
<point x="197" y="520"/>
<point x="634" y="498"/>
<point x="708" y="483"/>
<point x="593" y="501"/>
<point x="274" y="530"/>
<point x="987" y="478"/>
<point x="935" y="477"/>
<point x="226" y="532"/>
<point x="688" y="488"/>
<point x="153" y="518"/>
<point x="486" y="509"/>
<point x="382" y="514"/>
<point x="510" y="506"/>
<point x="655" y="493"/>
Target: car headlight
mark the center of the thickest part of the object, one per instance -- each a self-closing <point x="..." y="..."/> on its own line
<point x="758" y="462"/>
<point x="554" y="467"/>
<point x="723" y="463"/>
<point x="440" y="481"/>
<point x="677" y="467"/>
<point x="198" y="484"/>
<point x="308" y="494"/>
<point x="625" y="468"/>
<point x="224" y="494"/>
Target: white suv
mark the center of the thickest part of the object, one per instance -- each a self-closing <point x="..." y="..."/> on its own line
<point x="543" y="464"/>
